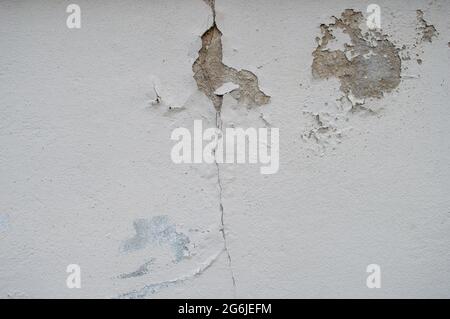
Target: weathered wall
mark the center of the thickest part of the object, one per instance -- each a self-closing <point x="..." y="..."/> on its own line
<point x="86" y="176"/>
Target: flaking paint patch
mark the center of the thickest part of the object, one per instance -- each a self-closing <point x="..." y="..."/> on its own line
<point x="211" y="73"/>
<point x="368" y="66"/>
<point x="426" y="31"/>
<point x="158" y="231"/>
<point x="326" y="130"/>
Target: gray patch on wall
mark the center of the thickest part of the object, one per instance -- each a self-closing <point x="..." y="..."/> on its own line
<point x="211" y="74"/>
<point x="158" y="231"/>
<point x="368" y="66"/>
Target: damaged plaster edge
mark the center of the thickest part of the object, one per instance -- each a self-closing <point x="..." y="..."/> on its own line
<point x="231" y="57"/>
<point x="210" y="21"/>
<point x="427" y="31"/>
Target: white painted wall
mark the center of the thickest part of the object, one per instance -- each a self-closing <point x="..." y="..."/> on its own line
<point x="85" y="155"/>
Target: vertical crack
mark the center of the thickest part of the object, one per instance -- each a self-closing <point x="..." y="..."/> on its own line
<point x="210" y="74"/>
<point x="222" y="223"/>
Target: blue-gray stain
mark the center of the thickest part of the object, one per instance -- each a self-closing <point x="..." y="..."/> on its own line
<point x="141" y="271"/>
<point x="4" y="221"/>
<point x="157" y="231"/>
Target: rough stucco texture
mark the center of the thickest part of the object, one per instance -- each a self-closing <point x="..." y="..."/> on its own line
<point x="86" y="176"/>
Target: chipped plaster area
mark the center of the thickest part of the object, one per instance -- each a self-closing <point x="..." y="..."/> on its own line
<point x="426" y="31"/>
<point x="210" y="73"/>
<point x="368" y="66"/>
<point x="414" y="49"/>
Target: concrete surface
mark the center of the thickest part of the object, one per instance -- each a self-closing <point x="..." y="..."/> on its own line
<point x="86" y="176"/>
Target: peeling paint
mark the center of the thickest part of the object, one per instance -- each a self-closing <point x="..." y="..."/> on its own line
<point x="426" y="31"/>
<point x="414" y="51"/>
<point x="211" y="73"/>
<point x="368" y="66"/>
<point x="326" y="130"/>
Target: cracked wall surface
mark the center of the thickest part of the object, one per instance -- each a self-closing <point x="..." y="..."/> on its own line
<point x="87" y="177"/>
